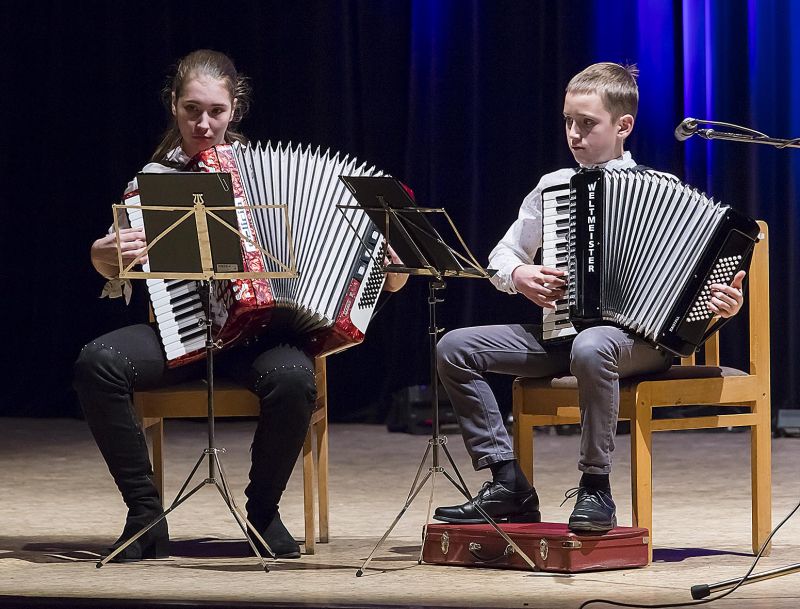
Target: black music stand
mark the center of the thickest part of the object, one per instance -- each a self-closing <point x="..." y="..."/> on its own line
<point x="423" y="252"/>
<point x="206" y="250"/>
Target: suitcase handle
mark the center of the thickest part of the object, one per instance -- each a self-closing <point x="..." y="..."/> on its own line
<point x="475" y="547"/>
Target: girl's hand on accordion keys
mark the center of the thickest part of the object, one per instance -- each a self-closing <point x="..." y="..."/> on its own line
<point x="104" y="251"/>
<point x="541" y="284"/>
<point x="726" y="300"/>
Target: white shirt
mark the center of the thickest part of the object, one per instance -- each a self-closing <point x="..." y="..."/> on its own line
<point x="116" y="287"/>
<point x="524" y="238"/>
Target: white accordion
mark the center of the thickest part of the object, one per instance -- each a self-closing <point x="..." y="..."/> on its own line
<point x="328" y="306"/>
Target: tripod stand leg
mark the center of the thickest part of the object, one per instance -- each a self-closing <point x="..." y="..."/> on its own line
<point x="463" y="488"/>
<point x="161" y="517"/>
<point x="241" y="520"/>
<point x="243" y="524"/>
<point x="177" y="501"/>
<point x="414" y="492"/>
<point x="419" y="471"/>
<point x="428" y="515"/>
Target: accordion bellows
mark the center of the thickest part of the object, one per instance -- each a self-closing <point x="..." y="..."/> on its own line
<point x="641" y="250"/>
<point x="326" y="308"/>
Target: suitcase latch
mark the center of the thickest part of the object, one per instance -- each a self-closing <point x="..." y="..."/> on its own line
<point x="445" y="543"/>
<point x="544" y="549"/>
<point x="573" y="543"/>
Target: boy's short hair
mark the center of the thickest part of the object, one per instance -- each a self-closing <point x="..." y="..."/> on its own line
<point x="614" y="83"/>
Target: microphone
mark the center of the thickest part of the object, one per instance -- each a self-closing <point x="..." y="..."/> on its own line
<point x="686" y="129"/>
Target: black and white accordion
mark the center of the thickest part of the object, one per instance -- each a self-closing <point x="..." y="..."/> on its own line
<point x="329" y="305"/>
<point x="641" y="250"/>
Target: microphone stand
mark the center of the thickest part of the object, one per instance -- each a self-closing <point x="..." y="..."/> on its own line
<point x="689" y="127"/>
<point x="703" y="590"/>
<point x="684" y="131"/>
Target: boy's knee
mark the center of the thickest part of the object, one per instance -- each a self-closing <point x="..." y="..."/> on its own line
<point x="591" y="351"/>
<point x="450" y="350"/>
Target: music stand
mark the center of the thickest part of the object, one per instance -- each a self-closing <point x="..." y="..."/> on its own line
<point x="423" y="251"/>
<point x="203" y="251"/>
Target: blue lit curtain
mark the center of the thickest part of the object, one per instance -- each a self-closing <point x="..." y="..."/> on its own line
<point x="728" y="60"/>
<point x="741" y="64"/>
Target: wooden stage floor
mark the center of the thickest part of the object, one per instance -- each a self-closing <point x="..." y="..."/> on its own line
<point x="58" y="502"/>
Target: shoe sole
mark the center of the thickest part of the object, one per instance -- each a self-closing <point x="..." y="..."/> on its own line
<point x="288" y="555"/>
<point x="592" y="527"/>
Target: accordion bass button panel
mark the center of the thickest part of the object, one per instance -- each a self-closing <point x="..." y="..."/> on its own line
<point x="722" y="273"/>
<point x="371" y="281"/>
<point x="555" y="240"/>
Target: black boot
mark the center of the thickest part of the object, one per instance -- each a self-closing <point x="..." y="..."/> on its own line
<point x="153" y="544"/>
<point x="278" y="538"/>
<point x="288" y="392"/>
<point x="104" y="382"/>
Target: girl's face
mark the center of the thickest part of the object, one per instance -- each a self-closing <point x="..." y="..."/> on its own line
<point x="203" y="112"/>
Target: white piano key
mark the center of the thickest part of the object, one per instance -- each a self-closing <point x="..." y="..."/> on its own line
<point x="183" y="302"/>
<point x="183" y="349"/>
<point x="165" y="296"/>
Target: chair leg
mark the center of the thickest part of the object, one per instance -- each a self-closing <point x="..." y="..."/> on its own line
<point x="522" y="434"/>
<point x="322" y="477"/>
<point x="642" y="471"/>
<point x="761" y="477"/>
<point x="308" y="492"/>
<point x="525" y="437"/>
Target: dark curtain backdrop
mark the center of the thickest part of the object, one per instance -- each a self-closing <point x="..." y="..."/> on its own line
<point x="460" y="99"/>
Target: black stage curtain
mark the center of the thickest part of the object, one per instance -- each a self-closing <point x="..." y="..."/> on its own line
<point x="460" y="100"/>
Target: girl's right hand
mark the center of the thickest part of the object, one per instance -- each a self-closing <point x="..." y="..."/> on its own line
<point x="104" y="251"/>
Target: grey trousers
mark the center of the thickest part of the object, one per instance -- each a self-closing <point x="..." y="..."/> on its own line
<point x="598" y="357"/>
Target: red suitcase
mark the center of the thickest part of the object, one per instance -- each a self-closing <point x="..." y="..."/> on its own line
<point x="551" y="547"/>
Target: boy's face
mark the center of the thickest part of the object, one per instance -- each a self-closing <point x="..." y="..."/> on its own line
<point x="592" y="134"/>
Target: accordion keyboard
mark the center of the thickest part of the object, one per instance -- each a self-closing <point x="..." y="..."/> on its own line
<point x="176" y="305"/>
<point x="555" y="241"/>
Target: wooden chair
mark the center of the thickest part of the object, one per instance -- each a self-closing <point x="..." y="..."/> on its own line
<point x="189" y="400"/>
<point x="555" y="402"/>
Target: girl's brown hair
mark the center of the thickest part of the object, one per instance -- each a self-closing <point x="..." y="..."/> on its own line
<point x="213" y="65"/>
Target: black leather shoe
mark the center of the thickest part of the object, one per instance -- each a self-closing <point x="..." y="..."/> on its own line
<point x="278" y="538"/>
<point x="594" y="510"/>
<point x="497" y="501"/>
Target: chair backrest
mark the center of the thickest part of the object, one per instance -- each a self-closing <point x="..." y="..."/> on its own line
<point x="757" y="296"/>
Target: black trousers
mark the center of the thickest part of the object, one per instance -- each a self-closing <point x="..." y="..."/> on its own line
<point x="112" y="367"/>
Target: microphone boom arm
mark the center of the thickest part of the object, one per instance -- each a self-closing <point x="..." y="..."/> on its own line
<point x="749" y="135"/>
